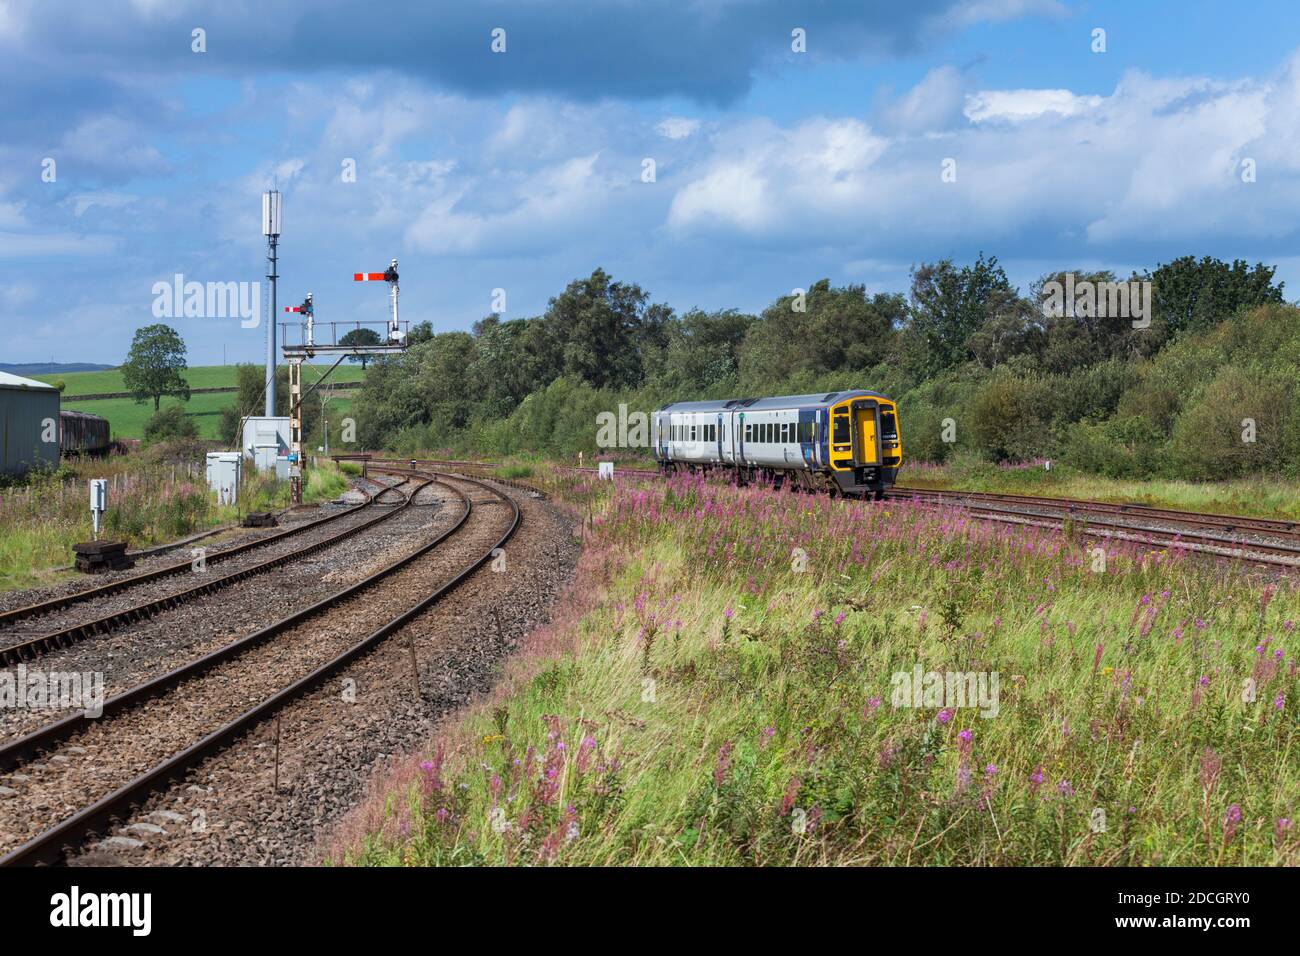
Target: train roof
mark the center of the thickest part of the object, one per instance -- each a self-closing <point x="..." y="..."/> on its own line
<point x="816" y="400"/>
<point x="73" y="413"/>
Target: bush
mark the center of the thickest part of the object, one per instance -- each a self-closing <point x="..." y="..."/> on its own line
<point x="921" y="428"/>
<point x="1245" y="422"/>
<point x="167" y="423"/>
<point x="1006" y="418"/>
<point x="1123" y="448"/>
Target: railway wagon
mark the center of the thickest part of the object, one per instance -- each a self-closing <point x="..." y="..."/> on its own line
<point x="842" y="443"/>
<point x="81" y="433"/>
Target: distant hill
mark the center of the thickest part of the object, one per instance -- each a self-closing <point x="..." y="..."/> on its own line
<point x="52" y="368"/>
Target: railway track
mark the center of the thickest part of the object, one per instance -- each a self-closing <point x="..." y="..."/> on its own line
<point x="42" y="608"/>
<point x="48" y="639"/>
<point x="1266" y="542"/>
<point x="152" y="733"/>
<point x="1262" y="541"/>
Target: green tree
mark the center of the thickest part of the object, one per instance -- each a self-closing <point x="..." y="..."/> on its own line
<point x="603" y="325"/>
<point x="838" y="329"/>
<point x="949" y="305"/>
<point x="358" y="338"/>
<point x="1192" y="295"/>
<point x="154" y="365"/>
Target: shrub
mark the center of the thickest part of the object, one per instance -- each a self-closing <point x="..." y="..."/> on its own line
<point x="1243" y="423"/>
<point x="169" y="422"/>
<point x="1006" y="418"/>
<point x="1122" y="448"/>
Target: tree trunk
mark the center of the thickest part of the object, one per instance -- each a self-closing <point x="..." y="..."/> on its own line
<point x="157" y="399"/>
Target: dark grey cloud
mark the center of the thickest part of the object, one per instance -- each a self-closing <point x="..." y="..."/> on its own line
<point x="580" y="49"/>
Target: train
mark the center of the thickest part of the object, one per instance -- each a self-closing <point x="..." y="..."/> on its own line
<point x="846" y="444"/>
<point x="81" y="433"/>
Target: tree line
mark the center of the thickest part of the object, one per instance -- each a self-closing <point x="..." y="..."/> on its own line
<point x="978" y="367"/>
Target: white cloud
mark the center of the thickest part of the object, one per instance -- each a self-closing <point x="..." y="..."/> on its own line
<point x="1156" y="159"/>
<point x="764" y="176"/>
<point x="934" y="103"/>
<point x="1016" y="105"/>
<point x="546" y="207"/>
<point x="81" y="202"/>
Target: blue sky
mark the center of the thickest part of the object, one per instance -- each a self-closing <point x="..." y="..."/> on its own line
<point x="522" y="170"/>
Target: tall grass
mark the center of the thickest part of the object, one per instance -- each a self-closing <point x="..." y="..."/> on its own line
<point x="150" y="502"/>
<point x="709" y="702"/>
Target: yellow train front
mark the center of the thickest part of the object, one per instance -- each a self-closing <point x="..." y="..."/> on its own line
<point x="841" y="443"/>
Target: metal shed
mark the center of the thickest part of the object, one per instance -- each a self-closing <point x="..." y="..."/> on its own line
<point x="29" y="424"/>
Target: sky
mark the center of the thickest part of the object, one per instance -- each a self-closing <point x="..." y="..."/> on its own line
<point x="788" y="142"/>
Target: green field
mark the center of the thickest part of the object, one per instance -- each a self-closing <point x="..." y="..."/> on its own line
<point x="201" y="376"/>
<point x="128" y="417"/>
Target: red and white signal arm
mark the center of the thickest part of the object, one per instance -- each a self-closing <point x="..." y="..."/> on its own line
<point x="367" y="277"/>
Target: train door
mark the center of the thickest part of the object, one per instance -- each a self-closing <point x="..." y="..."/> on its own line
<point x="866" y="433"/>
<point x="842" y="441"/>
<point x="719" y="441"/>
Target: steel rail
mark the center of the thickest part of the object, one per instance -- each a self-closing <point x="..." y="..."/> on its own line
<point x="50" y="845"/>
<point x="65" y="637"/>
<point x="1277" y="526"/>
<point x="1257" y="552"/>
<point x="112" y="587"/>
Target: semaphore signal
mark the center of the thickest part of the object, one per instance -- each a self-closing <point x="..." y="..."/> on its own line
<point x="389" y="275"/>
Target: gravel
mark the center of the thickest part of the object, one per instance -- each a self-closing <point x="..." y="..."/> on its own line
<point x="225" y="810"/>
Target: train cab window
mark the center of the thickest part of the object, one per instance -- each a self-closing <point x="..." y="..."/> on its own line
<point x="840" y="434"/>
<point x="888" y="425"/>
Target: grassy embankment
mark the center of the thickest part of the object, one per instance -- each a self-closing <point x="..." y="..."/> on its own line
<point x="149" y="503"/>
<point x="703" y="701"/>
<point x="127" y="417"/>
<point x="1263" y="497"/>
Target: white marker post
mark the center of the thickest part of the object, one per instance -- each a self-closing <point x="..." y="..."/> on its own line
<point x="606" y="471"/>
<point x="98" y="501"/>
